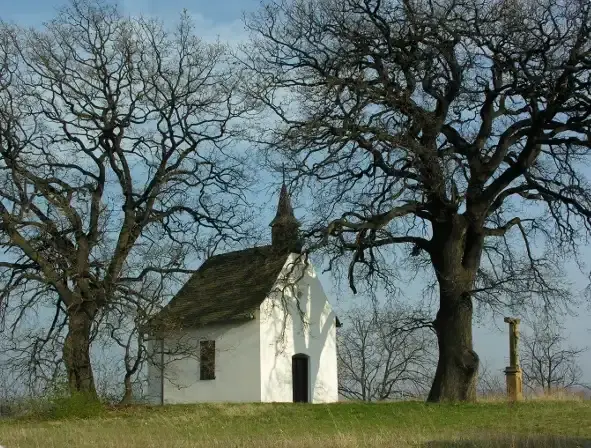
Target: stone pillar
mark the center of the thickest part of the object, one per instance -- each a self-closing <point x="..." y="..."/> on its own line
<point x="513" y="371"/>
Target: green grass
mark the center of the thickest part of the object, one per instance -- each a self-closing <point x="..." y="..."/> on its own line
<point x="531" y="424"/>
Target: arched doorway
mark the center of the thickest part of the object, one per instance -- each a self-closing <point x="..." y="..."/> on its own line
<point x="300" y="371"/>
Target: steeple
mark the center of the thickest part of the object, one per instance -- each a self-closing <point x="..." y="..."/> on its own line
<point x="285" y="226"/>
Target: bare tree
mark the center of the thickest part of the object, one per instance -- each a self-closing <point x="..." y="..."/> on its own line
<point x="124" y="326"/>
<point x="453" y="131"/>
<point x="116" y="142"/>
<point x="490" y="383"/>
<point x="384" y="353"/>
<point x="31" y="349"/>
<point x="121" y="328"/>
<point x="548" y="362"/>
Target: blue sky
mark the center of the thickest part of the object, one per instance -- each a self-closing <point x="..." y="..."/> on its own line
<point x="218" y="13"/>
<point x="223" y="19"/>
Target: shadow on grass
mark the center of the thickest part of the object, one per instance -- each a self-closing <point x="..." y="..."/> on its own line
<point x="513" y="442"/>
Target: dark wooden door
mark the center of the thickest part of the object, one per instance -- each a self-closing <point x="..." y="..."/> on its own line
<point x="299" y="368"/>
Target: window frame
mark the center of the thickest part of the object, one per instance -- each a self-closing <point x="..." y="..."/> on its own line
<point x="207" y="360"/>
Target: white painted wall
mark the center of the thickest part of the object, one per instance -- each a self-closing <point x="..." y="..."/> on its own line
<point x="283" y="335"/>
<point x="254" y="358"/>
<point x="236" y="367"/>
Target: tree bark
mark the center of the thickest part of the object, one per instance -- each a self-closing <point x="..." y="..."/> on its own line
<point x="458" y="248"/>
<point x="76" y="354"/>
<point x="457" y="367"/>
<point x="128" y="393"/>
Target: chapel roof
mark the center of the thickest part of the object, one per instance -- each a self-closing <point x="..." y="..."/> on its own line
<point x="227" y="287"/>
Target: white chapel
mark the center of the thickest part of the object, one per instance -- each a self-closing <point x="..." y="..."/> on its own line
<point x="258" y="325"/>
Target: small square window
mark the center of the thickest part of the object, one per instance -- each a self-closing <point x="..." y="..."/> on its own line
<point x="207" y="360"/>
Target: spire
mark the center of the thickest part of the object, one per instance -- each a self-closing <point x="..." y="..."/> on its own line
<point x="285" y="226"/>
<point x="284" y="208"/>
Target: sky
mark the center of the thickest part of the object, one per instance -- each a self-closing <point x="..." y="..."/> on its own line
<point x="223" y="19"/>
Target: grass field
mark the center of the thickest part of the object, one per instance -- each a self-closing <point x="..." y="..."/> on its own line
<point x="530" y="424"/>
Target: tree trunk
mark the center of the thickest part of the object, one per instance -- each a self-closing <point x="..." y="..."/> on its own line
<point x="128" y="394"/>
<point x="457" y="367"/>
<point x="456" y="260"/>
<point x="76" y="354"/>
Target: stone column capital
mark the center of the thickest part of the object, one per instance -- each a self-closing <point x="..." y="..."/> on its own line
<point x="512" y="320"/>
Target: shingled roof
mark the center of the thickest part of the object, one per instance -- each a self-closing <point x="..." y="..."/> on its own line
<point x="226" y="287"/>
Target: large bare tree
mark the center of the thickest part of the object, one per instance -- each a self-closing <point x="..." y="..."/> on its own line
<point x="455" y="130"/>
<point x="116" y="162"/>
<point x="384" y="352"/>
